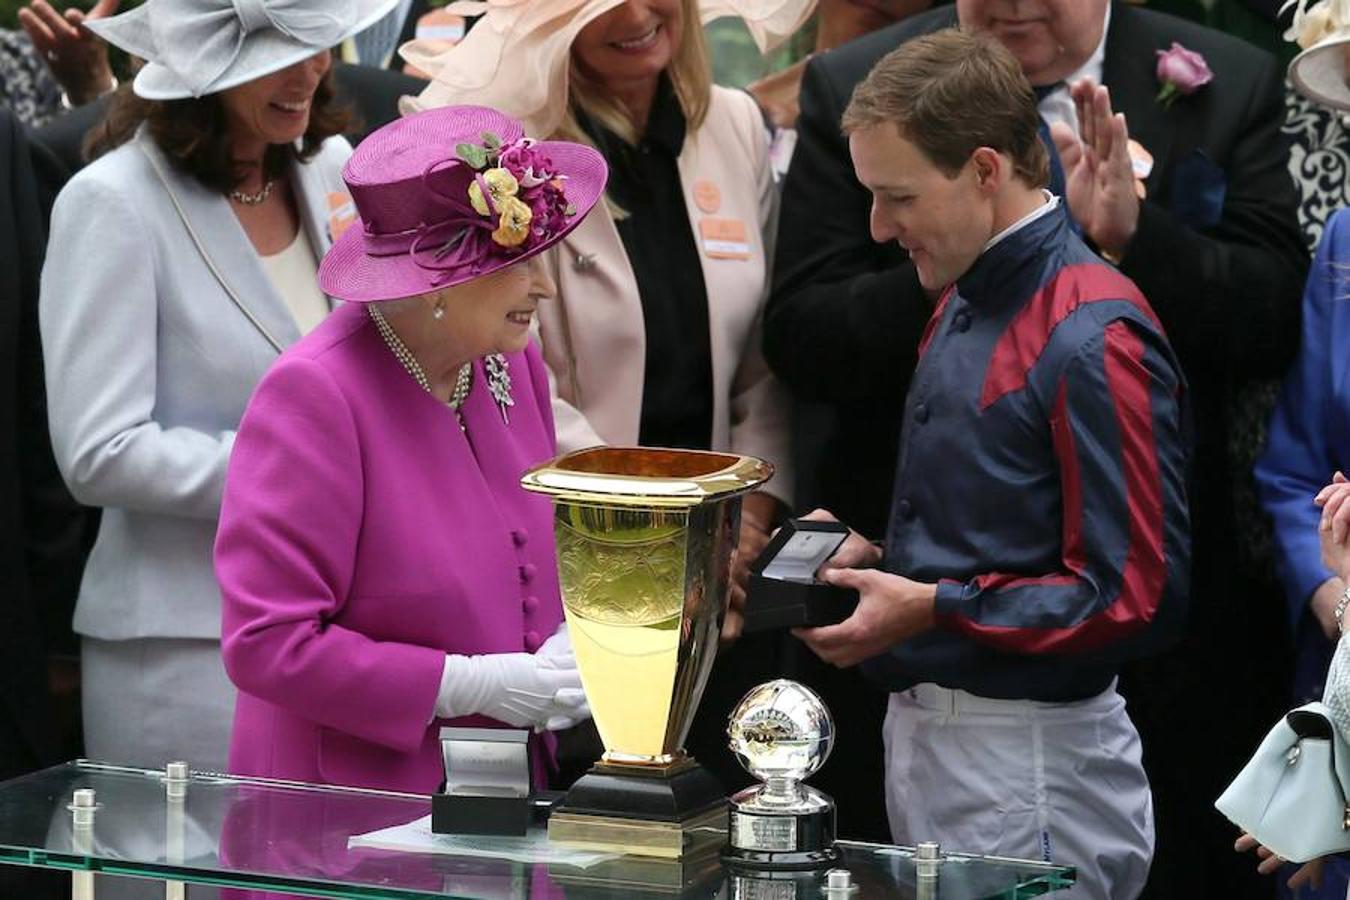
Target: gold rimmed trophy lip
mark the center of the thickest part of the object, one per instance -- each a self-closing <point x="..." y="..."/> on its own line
<point x="645" y="538"/>
<point x="646" y="476"/>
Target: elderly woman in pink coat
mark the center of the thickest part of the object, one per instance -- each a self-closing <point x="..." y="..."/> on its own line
<point x="383" y="573"/>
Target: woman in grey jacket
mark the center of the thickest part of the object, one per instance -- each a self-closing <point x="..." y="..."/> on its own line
<point x="181" y="263"/>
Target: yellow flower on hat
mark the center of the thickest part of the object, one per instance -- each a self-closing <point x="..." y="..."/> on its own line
<point x="514" y="226"/>
<point x="501" y="184"/>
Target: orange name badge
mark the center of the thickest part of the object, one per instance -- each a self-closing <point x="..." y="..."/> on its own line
<point x="341" y="214"/>
<point x="439" y="25"/>
<point x="724" y="238"/>
<point x="707" y="196"/>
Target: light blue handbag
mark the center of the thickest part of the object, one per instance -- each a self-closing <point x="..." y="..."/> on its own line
<point x="1291" y="795"/>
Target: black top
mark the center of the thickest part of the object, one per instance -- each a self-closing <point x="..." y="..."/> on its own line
<point x="677" y="401"/>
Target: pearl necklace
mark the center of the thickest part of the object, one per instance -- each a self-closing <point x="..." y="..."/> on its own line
<point x="463" y="381"/>
<point x="256" y="198"/>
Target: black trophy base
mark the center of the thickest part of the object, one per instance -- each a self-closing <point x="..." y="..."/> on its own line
<point x="773" y="603"/>
<point x="785" y="841"/>
<point x="476" y="814"/>
<point x="668" y="813"/>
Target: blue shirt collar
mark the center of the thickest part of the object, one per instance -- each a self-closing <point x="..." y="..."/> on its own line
<point x="993" y="275"/>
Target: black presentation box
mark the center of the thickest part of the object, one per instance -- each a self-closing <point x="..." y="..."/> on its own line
<point x="487" y="782"/>
<point x="784" y="591"/>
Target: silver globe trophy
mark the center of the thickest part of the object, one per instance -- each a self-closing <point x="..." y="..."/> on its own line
<point x="782" y="733"/>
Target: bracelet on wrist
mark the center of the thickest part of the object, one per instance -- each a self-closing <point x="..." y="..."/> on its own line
<point x="66" y="102"/>
<point x="1339" y="612"/>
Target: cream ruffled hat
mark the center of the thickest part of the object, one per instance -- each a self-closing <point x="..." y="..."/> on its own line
<point x="516" y="58"/>
<point x="1322" y="29"/>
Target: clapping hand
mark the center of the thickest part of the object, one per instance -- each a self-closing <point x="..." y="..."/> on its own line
<point x="1309" y="873"/>
<point x="77" y="58"/>
<point x="1334" y="529"/>
<point x="1099" y="176"/>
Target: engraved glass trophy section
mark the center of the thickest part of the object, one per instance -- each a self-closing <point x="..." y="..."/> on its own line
<point x="782" y="733"/>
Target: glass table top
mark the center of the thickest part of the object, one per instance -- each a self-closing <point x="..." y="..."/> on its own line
<point x="284" y="836"/>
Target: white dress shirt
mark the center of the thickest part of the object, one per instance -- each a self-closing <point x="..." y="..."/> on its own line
<point x="1057" y="106"/>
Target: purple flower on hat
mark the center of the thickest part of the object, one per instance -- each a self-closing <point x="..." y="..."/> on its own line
<point x="1182" y="73"/>
<point x="521" y="155"/>
<point x="516" y="187"/>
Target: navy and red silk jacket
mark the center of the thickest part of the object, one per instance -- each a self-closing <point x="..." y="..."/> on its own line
<point x="1041" y="481"/>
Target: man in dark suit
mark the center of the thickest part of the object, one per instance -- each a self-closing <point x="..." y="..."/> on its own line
<point x="1215" y="247"/>
<point x="42" y="543"/>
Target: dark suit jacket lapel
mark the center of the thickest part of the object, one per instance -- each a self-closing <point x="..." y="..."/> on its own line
<point x="1129" y="70"/>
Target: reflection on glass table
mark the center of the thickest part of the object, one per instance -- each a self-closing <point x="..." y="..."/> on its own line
<point x="284" y="836"/>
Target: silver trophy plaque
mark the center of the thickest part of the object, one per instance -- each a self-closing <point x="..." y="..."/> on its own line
<point x="782" y="733"/>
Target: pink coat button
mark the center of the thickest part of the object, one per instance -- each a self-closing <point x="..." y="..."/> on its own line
<point x="532" y="641"/>
<point x="530" y="604"/>
<point x="527" y="573"/>
<point x="520" y="537"/>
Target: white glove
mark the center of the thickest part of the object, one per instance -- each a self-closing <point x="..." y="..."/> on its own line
<point x="558" y="649"/>
<point x="520" y="689"/>
<point x="556" y="653"/>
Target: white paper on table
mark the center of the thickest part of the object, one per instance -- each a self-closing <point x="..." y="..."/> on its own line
<point x="534" y="847"/>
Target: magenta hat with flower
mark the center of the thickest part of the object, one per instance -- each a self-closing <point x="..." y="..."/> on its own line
<point x="449" y="195"/>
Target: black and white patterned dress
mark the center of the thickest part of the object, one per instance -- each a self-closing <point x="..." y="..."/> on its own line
<point x="1319" y="161"/>
<point x="26" y="86"/>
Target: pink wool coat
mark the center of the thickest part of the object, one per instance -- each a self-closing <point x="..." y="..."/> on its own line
<point x="363" y="536"/>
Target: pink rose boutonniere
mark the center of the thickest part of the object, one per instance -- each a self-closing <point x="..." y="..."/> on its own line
<point x="1182" y="73"/>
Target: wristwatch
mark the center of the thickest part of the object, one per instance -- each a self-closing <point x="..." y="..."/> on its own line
<point x="1339" y="612"/>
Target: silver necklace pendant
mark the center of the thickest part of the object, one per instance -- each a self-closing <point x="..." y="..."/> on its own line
<point x="256" y="198"/>
<point x="499" y="383"/>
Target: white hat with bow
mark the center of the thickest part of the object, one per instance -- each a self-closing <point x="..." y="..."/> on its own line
<point x="197" y="47"/>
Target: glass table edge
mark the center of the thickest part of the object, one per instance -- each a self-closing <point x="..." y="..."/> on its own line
<point x="1046" y="876"/>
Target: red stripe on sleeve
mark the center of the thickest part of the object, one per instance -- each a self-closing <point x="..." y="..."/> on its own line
<point x="1070" y="482"/>
<point x="1146" y="563"/>
<point x="997" y="581"/>
<point x="1144" y="575"/>
<point x="1022" y="344"/>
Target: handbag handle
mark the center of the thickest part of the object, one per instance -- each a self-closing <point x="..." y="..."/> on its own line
<point x="1309" y="724"/>
<point x="1313" y="722"/>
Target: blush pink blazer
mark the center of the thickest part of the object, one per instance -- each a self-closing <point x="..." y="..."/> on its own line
<point x="593" y="334"/>
<point x="363" y="536"/>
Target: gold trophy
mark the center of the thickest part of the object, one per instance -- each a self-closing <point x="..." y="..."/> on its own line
<point x="645" y="539"/>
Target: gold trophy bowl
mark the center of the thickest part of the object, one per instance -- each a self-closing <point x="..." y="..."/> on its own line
<point x="645" y="540"/>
